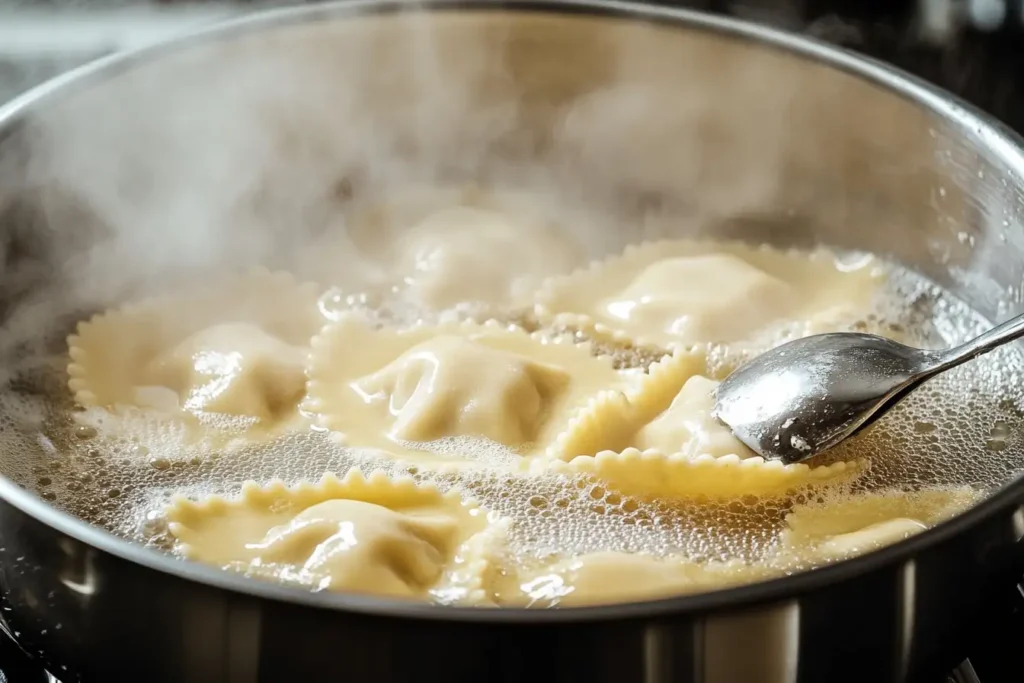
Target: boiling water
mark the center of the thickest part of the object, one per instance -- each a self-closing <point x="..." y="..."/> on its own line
<point x="961" y="429"/>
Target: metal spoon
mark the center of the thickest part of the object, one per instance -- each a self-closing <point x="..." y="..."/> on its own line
<point x="808" y="395"/>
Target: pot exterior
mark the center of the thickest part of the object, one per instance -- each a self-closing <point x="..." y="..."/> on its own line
<point x="97" y="617"/>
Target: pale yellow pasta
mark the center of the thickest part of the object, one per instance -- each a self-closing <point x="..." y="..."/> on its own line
<point x="238" y="348"/>
<point x="681" y="292"/>
<point x="376" y="387"/>
<point x="235" y="369"/>
<point x="610" y="577"/>
<point x="833" y="529"/>
<point x="473" y="254"/>
<point x="657" y="438"/>
<point x="443" y="248"/>
<point x="360" y="534"/>
<point x="656" y="475"/>
<point x="668" y="408"/>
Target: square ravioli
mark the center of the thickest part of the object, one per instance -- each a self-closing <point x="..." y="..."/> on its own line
<point x="611" y="577"/>
<point x="681" y="292"/>
<point x="385" y="387"/>
<point x="456" y="247"/>
<point x="364" y="534"/>
<point x="238" y="348"/>
<point x="659" y="438"/>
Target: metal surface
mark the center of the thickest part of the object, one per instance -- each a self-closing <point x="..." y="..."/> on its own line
<point x="735" y="121"/>
<point x="804" y="397"/>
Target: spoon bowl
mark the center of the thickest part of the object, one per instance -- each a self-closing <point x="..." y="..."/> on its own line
<point x="804" y="397"/>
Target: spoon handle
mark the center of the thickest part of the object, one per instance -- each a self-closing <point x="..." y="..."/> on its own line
<point x="1000" y="334"/>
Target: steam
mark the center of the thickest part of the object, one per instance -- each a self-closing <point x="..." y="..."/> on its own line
<point x="256" y="149"/>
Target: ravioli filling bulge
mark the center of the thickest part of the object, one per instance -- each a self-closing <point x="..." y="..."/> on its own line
<point x="355" y="535"/>
<point x="465" y="253"/>
<point x="453" y="386"/>
<point x="668" y="409"/>
<point x="692" y="299"/>
<point x="383" y="386"/>
<point x="235" y="369"/>
<point x="679" y="292"/>
<point x="239" y="349"/>
<point x="689" y="427"/>
<point x="360" y="546"/>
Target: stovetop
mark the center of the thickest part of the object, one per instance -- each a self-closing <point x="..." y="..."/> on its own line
<point x="970" y="47"/>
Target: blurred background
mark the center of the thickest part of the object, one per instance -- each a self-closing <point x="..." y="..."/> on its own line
<point x="970" y="47"/>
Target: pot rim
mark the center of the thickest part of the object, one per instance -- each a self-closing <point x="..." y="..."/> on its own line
<point x="991" y="133"/>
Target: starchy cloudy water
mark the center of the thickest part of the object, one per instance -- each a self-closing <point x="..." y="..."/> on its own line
<point x="961" y="429"/>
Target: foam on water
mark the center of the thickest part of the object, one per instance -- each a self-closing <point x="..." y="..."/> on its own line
<point x="963" y="428"/>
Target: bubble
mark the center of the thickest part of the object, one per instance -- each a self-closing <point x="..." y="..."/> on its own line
<point x="85" y="432"/>
<point x="924" y="427"/>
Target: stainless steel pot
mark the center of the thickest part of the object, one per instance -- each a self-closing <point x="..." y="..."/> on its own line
<point x="244" y="137"/>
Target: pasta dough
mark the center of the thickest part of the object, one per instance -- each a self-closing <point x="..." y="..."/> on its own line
<point x="373" y="387"/>
<point x="471" y="254"/>
<point x="669" y="409"/>
<point x="682" y="292"/>
<point x="655" y="475"/>
<point x="688" y="426"/>
<point x="360" y="534"/>
<point x="235" y="369"/>
<point x="834" y="529"/>
<point x="238" y="349"/>
<point x="612" y="577"/>
<point x="658" y="438"/>
<point x="450" y="247"/>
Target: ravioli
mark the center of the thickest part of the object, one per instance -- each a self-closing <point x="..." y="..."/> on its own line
<point x="659" y="438"/>
<point x="378" y="387"/>
<point x="681" y="292"/>
<point x="688" y="425"/>
<point x="235" y="369"/>
<point x="655" y="475"/>
<point x="831" y="529"/>
<point x="238" y="349"/>
<point x="359" y="534"/>
<point x="615" y="577"/>
<point x="472" y="254"/>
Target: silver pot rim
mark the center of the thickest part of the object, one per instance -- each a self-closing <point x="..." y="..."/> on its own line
<point x="1004" y="142"/>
